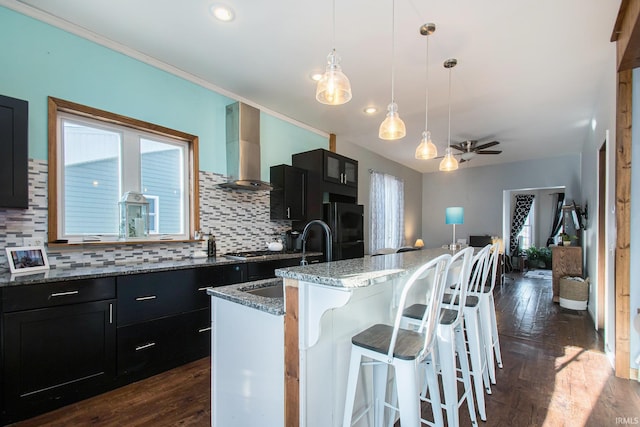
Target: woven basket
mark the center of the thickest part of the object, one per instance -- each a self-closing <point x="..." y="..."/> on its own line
<point x="574" y="292"/>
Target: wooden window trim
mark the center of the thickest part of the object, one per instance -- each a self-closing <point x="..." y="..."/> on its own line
<point x="56" y="105"/>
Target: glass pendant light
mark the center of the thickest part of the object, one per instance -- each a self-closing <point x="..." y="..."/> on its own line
<point x="449" y="163"/>
<point x="333" y="87"/>
<point x="392" y="127"/>
<point x="427" y="149"/>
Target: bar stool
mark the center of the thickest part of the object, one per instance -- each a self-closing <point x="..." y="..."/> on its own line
<point x="450" y="338"/>
<point x="403" y="349"/>
<point x="488" y="313"/>
<point x="475" y="343"/>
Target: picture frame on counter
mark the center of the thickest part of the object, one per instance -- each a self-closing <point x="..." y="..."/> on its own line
<point x="27" y="259"/>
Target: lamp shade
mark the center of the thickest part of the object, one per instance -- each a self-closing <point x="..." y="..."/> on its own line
<point x="419" y="243"/>
<point x="454" y="215"/>
<point x="334" y="87"/>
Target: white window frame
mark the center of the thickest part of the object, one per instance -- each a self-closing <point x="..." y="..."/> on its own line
<point x="155" y="217"/>
<point x="130" y="174"/>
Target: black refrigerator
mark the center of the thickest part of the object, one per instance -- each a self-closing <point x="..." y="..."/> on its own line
<point x="346" y="221"/>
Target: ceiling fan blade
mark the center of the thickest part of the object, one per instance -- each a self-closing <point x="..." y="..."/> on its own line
<point x="489" y="152"/>
<point x="460" y="147"/>
<point x="487" y="145"/>
<point x="462" y="161"/>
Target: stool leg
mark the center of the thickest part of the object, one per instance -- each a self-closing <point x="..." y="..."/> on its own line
<point x="446" y="351"/>
<point x="380" y="375"/>
<point x="464" y="367"/>
<point x="408" y="394"/>
<point x="485" y="320"/>
<point x="434" y="390"/>
<point x="494" y="329"/>
<point x="352" y="383"/>
<point x="476" y="362"/>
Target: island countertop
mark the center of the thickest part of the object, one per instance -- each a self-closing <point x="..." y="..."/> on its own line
<point x="361" y="272"/>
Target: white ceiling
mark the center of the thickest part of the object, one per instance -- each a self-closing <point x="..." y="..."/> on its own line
<point x="530" y="72"/>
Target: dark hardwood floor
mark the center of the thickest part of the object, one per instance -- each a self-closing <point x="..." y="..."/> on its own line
<point x="555" y="374"/>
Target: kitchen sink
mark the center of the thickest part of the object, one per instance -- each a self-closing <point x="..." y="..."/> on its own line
<point x="272" y="291"/>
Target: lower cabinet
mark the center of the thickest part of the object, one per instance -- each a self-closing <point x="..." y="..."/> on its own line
<point x="62" y="342"/>
<point x="151" y="347"/>
<point x="56" y="355"/>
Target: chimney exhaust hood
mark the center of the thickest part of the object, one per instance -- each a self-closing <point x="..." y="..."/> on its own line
<point x="243" y="148"/>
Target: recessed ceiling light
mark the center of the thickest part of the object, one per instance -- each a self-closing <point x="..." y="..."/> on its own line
<point x="222" y="12"/>
<point x="370" y="110"/>
<point x="316" y="76"/>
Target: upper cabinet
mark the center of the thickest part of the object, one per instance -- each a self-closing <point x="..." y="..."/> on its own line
<point x="338" y="174"/>
<point x="287" y="199"/>
<point x="14" y="115"/>
<point x="340" y="169"/>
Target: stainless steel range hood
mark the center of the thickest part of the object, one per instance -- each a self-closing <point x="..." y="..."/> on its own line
<point x="243" y="148"/>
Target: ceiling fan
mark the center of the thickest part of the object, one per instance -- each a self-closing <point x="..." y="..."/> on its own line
<point x="469" y="149"/>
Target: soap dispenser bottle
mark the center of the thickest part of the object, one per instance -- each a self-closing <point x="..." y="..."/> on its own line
<point x="211" y="245"/>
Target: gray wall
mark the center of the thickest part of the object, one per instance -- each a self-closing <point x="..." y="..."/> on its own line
<point x="412" y="188"/>
<point x="480" y="192"/>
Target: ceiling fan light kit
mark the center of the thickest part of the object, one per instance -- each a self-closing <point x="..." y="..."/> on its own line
<point x="392" y="127"/>
<point x="449" y="163"/>
<point x="333" y="87"/>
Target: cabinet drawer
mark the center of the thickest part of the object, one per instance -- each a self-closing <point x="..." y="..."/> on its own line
<point x="150" y="347"/>
<point x="148" y="296"/>
<point x="28" y="297"/>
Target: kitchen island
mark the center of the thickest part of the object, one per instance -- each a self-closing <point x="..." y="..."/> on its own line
<point x="295" y="373"/>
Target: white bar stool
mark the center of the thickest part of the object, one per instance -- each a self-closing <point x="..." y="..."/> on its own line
<point x="488" y="314"/>
<point x="403" y="349"/>
<point x="450" y="339"/>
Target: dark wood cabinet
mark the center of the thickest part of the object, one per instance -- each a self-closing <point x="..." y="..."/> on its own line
<point x="58" y="353"/>
<point x="266" y="269"/>
<point x="287" y="199"/>
<point x="340" y="169"/>
<point x="333" y="168"/>
<point x="14" y="146"/>
<point x="164" y="318"/>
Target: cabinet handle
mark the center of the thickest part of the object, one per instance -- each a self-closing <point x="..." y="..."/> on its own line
<point x="142" y="347"/>
<point x="288" y="212"/>
<point x="203" y="289"/>
<point x="146" y="298"/>
<point x="64" y="294"/>
<point x="204" y="329"/>
<point x="110" y="314"/>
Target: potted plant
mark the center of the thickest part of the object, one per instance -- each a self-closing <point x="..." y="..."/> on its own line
<point x="566" y="239"/>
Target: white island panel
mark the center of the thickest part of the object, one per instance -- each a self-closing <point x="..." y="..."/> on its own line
<point x="247" y="387"/>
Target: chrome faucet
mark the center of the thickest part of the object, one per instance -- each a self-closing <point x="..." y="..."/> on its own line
<point x="327" y="235"/>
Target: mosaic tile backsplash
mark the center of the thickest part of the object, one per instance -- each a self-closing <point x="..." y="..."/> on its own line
<point x="238" y="219"/>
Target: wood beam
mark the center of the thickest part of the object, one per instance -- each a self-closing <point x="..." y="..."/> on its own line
<point x="291" y="355"/>
<point x="332" y="142"/>
<point x="626" y="33"/>
<point x="623" y="221"/>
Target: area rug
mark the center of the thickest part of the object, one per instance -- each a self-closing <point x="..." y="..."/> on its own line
<point x="538" y="274"/>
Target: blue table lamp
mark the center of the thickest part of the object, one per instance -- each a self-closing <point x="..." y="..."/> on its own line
<point x="454" y="215"/>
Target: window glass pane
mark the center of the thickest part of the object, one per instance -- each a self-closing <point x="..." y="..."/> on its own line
<point x="162" y="176"/>
<point x="91" y="179"/>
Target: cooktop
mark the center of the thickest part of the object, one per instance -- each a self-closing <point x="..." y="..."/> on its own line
<point x="255" y="254"/>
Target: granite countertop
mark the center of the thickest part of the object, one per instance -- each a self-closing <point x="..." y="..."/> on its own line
<point x="360" y="272"/>
<point x="237" y="293"/>
<point x="56" y="274"/>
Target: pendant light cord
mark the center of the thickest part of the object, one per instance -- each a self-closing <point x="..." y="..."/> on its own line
<point x="449" y="137"/>
<point x="426" y="94"/>
<point x="393" y="47"/>
<point x="333" y="33"/>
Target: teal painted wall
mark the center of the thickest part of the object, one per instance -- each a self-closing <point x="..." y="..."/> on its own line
<point x="39" y="60"/>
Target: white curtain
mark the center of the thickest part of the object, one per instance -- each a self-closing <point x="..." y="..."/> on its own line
<point x="386" y="212"/>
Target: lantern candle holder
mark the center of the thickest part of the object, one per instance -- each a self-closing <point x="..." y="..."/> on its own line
<point x="134" y="216"/>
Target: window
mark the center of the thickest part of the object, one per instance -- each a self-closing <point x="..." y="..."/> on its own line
<point x="98" y="156"/>
<point x="386" y="212"/>
<point x="525" y="237"/>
